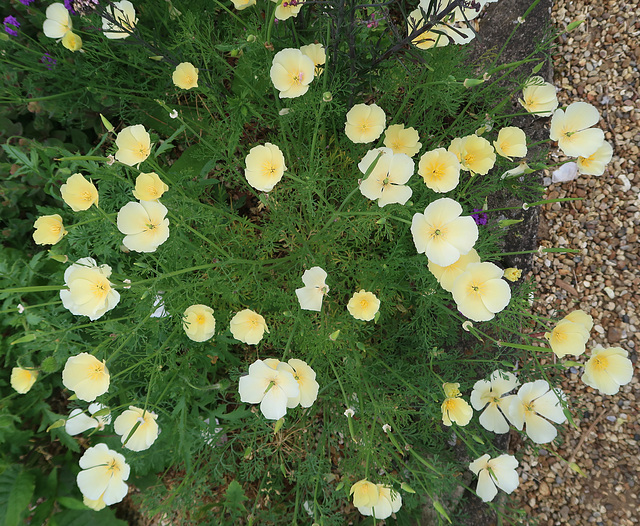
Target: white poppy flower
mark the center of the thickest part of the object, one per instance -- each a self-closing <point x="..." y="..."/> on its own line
<point x="310" y="296"/>
<point x="388" y="502"/>
<point x="103" y="474"/>
<point x="144" y="225"/>
<point x="58" y="21"/>
<point x="534" y="401"/>
<point x="572" y="129"/>
<point x="79" y="422"/>
<point x="491" y="393"/>
<point x="269" y="387"/>
<point x="386" y="182"/>
<point x="500" y="472"/>
<point x="144" y="435"/>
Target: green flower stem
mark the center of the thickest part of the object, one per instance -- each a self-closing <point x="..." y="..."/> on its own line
<point x="157" y="354"/>
<point x="514" y="31"/>
<point x="106" y="216"/>
<point x="461" y="434"/>
<point x="51" y="97"/>
<point x="522" y="346"/>
<point x="561" y="250"/>
<point x="27" y="307"/>
<point x="559" y="200"/>
<point x="82" y="158"/>
<point x="290" y="339"/>
<point x="344" y="397"/>
<point x="130" y="335"/>
<point x="222" y="6"/>
<point x="181" y="119"/>
<point x="92" y="220"/>
<point x="408" y="385"/>
<point x="198" y="234"/>
<point x="271" y="22"/>
<point x="418" y="457"/>
<point x="36" y="288"/>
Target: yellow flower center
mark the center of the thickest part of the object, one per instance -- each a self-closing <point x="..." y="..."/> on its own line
<point x="189" y="79"/>
<point x="268" y="169"/>
<point x="364" y="125"/>
<point x="200" y="319"/>
<point x="101" y="288"/>
<point x="364" y="304"/>
<point x="86" y="196"/>
<point x="437" y="171"/>
<point x="529" y="408"/>
<point x="475" y="289"/>
<point x="150" y="226"/>
<point x="600" y="363"/>
<point x="152" y="190"/>
<point x="297" y="77"/>
<point x="113" y="466"/>
<point x="96" y="371"/>
<point x="56" y="229"/>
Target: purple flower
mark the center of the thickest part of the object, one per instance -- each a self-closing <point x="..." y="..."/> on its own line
<point x="27" y="2"/>
<point x="69" y="5"/>
<point x="11" y="25"/>
<point x="481" y="218"/>
<point x="49" y="61"/>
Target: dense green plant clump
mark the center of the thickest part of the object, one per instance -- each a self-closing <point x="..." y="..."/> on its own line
<point x="263" y="203"/>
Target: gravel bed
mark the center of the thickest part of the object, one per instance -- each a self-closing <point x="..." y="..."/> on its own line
<point x="597" y="63"/>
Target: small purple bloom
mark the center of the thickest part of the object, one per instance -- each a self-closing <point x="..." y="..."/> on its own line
<point x="49" y="61"/>
<point x="11" y="25"/>
<point x="27" y="2"/>
<point x="481" y="218"/>
<point x="69" y="5"/>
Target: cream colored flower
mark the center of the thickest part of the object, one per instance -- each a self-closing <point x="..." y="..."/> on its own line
<point x="79" y="422"/>
<point x="270" y="387"/>
<point x="90" y="293"/>
<point x="121" y="20"/>
<point x="306" y="378"/>
<point x="608" y="369"/>
<point x="49" y="230"/>
<point x="363" y="305"/>
<point x="264" y="166"/>
<point x="454" y="408"/>
<point x="243" y="4"/>
<point x="71" y="41"/>
<point x="442" y="234"/>
<point x="58" y="21"/>
<point x="534" y="401"/>
<point x="198" y="323"/>
<point x="79" y="193"/>
<point x="185" y="76"/>
<point x="144" y="435"/>
<point x="572" y="129"/>
<point x="490" y="393"/>
<point x="149" y="187"/>
<point x="386" y="182"/>
<point x="480" y="292"/>
<point x="446" y="276"/>
<point x="317" y="53"/>
<point x="311" y="295"/>
<point x="144" y="225"/>
<point x="103" y="474"/>
<point x="402" y="140"/>
<point x="95" y="505"/>
<point x="22" y="380"/>
<point x="248" y="327"/>
<point x="597" y="161"/>
<point x="291" y="73"/>
<point x="511" y="142"/>
<point x="439" y="35"/>
<point x="500" y="472"/>
<point x="389" y="501"/>
<point x="365" y="494"/>
<point x="539" y="97"/>
<point x="474" y="153"/>
<point x="522" y="168"/>
<point x="134" y="145"/>
<point x="287" y="8"/>
<point x="512" y="274"/>
<point x="365" y="123"/>
<point x="571" y="334"/>
<point x="440" y="170"/>
<point x="86" y="376"/>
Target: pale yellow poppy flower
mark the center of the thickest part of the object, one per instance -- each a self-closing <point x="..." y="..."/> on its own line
<point x="185" y="76"/>
<point x="474" y="153"/>
<point x="539" y="97"/>
<point x="123" y="21"/>
<point x="90" y="292"/>
<point x="454" y="408"/>
<point x="79" y="193"/>
<point x="572" y="128"/>
<point x="440" y="170"/>
<point x="287" y="8"/>
<point x="490" y="393"/>
<point x="534" y="401"/>
<point x="511" y="142"/>
<point x="597" y="161"/>
<point x="311" y="295"/>
<point x="446" y="276"/>
<point x="442" y="234"/>
<point x="389" y="502"/>
<point x="58" y="21"/>
<point x="571" y="334"/>
<point x="149" y="187"/>
<point x="243" y="4"/>
<point x="363" y="305"/>
<point x="144" y="225"/>
<point x="248" y="327"/>
<point x="22" y="380"/>
<point x="480" y="292"/>
<point x="365" y="493"/>
<point x="134" y="145"/>
<point x="103" y="474"/>
<point x="145" y="434"/>
<point x="71" y="41"/>
<point x="512" y="274"/>
<point x="386" y="182"/>
<point x="306" y="378"/>
<point x="291" y="73"/>
<point x="86" y="376"/>
<point x="264" y="166"/>
<point x="49" y="230"/>
<point x="365" y="123"/>
<point x="608" y="369"/>
<point x="198" y="323"/>
<point x="402" y="140"/>
<point x="317" y="53"/>
<point x="95" y="505"/>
